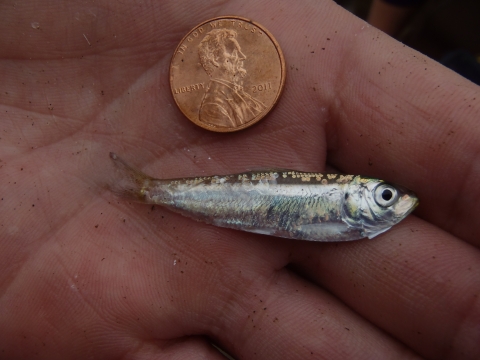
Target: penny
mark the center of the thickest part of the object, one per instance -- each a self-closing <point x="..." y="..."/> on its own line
<point x="227" y="74"/>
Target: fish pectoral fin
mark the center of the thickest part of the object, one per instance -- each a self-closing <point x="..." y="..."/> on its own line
<point x="263" y="231"/>
<point x="371" y="234"/>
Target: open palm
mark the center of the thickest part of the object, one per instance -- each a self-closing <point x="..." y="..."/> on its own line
<point x="87" y="275"/>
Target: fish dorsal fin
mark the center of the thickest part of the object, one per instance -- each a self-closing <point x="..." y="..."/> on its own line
<point x="269" y="169"/>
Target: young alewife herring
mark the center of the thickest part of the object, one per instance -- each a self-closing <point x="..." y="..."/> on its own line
<point x="290" y="204"/>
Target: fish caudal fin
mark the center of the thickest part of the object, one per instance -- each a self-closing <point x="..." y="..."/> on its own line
<point x="128" y="182"/>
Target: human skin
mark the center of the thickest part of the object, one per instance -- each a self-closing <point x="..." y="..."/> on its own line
<point x="86" y="275"/>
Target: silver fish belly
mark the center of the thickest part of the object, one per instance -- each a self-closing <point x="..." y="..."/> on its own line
<point x="287" y="203"/>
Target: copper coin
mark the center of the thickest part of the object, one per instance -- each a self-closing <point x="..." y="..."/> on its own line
<point x="227" y="74"/>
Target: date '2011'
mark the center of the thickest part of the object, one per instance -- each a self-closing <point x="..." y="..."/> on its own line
<point x="262" y="87"/>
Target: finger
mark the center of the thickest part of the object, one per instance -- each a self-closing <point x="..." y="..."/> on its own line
<point x="392" y="119"/>
<point x="229" y="287"/>
<point x="283" y="316"/>
<point x="416" y="282"/>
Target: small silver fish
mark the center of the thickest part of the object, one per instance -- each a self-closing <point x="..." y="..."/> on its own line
<point x="285" y="203"/>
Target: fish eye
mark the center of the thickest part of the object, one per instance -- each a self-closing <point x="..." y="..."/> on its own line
<point x="385" y="195"/>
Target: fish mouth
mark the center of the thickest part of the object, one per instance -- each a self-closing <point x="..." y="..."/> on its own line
<point x="406" y="204"/>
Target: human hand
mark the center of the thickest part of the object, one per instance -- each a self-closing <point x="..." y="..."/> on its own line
<point x="84" y="274"/>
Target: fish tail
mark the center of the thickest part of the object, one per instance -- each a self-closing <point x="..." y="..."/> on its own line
<point x="128" y="182"/>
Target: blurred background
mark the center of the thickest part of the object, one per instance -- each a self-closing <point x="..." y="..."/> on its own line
<point x="445" y="30"/>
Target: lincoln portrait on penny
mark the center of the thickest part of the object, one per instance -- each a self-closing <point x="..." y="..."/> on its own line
<point x="225" y="103"/>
